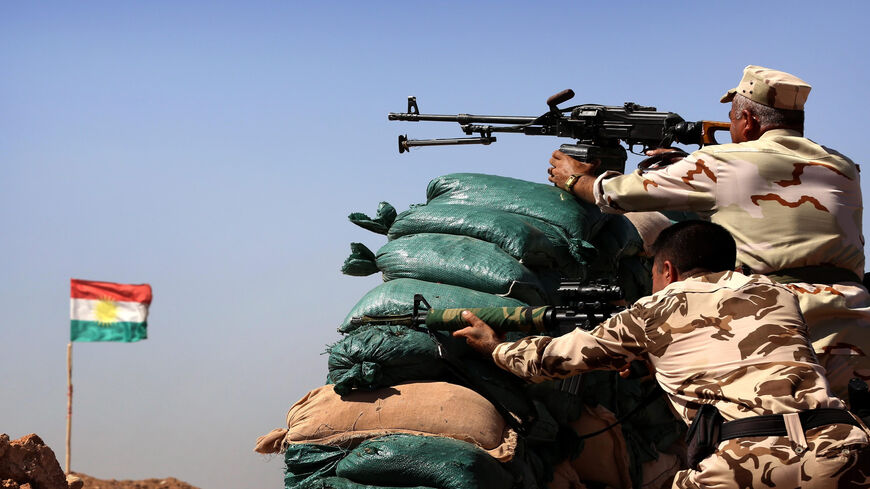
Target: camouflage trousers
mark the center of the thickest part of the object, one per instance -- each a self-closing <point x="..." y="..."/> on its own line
<point x="836" y="456"/>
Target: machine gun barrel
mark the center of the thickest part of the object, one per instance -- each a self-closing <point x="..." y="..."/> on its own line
<point x="461" y="118"/>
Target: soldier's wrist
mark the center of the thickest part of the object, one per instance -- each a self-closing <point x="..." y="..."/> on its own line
<point x="572" y="181"/>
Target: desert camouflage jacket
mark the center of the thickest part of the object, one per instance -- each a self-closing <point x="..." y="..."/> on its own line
<point x="787" y="201"/>
<point x="725" y="338"/>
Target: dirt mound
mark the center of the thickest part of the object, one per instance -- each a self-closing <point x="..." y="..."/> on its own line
<point x="168" y="483"/>
<point x="27" y="463"/>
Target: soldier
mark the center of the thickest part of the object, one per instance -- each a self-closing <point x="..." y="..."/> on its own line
<point x="793" y="206"/>
<point x="715" y="338"/>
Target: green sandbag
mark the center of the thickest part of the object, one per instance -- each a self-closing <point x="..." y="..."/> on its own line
<point x="453" y="260"/>
<point x="305" y="462"/>
<point x="342" y="483"/>
<point x="430" y="461"/>
<point x="397" y="297"/>
<point x="381" y="356"/>
<point x="635" y="277"/>
<point x="382" y="221"/>
<point x="522" y="237"/>
<point x="617" y="238"/>
<point x="540" y="201"/>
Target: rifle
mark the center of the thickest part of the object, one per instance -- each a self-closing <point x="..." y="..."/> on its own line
<point x="598" y="128"/>
<point x="586" y="312"/>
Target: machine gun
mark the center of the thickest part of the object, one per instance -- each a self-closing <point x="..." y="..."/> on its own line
<point x="598" y="129"/>
<point x="584" y="311"/>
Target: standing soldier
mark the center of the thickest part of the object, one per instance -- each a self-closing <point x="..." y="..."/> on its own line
<point x="793" y="206"/>
<point x="731" y="353"/>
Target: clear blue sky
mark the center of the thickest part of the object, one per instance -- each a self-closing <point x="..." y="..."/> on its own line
<point x="214" y="150"/>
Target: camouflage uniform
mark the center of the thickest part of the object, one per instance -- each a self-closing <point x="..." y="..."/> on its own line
<point x="789" y="203"/>
<point x="735" y="341"/>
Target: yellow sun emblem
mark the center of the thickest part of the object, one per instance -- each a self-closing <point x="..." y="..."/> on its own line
<point x="106" y="312"/>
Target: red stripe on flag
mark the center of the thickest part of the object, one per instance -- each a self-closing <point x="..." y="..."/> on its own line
<point x="88" y="289"/>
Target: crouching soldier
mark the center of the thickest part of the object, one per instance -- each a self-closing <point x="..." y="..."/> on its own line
<point x="731" y="353"/>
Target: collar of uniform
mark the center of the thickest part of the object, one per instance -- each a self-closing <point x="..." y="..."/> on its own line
<point x="705" y="281"/>
<point x="772" y="133"/>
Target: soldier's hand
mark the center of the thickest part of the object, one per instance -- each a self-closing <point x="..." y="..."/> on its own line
<point x="480" y="336"/>
<point x="668" y="155"/>
<point x="658" y="151"/>
<point x="563" y="166"/>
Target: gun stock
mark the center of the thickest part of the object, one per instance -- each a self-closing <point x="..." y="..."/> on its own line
<point x="709" y="130"/>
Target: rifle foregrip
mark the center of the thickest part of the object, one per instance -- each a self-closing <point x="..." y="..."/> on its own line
<point x="501" y="319"/>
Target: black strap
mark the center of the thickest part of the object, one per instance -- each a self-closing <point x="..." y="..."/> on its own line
<point x="651" y="396"/>
<point x="819" y="274"/>
<point x="774" y="424"/>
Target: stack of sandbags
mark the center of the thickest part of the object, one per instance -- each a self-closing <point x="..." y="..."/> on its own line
<point x="490" y="234"/>
<point x="411" y="408"/>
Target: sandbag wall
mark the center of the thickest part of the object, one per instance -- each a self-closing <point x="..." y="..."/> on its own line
<point x="407" y="408"/>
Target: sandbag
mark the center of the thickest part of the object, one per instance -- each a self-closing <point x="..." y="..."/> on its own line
<point x="382" y="221"/>
<point x="409" y="460"/>
<point x="635" y="277"/>
<point x="565" y="477"/>
<point x="650" y="431"/>
<point x="616" y="239"/>
<point x="381" y="356"/>
<point x="420" y="408"/>
<point x="304" y="463"/>
<point x="524" y="238"/>
<point x="397" y="297"/>
<point x="450" y="259"/>
<point x="342" y="483"/>
<point x="545" y="202"/>
<point x="604" y="457"/>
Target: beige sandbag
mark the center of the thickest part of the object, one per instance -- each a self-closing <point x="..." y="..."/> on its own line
<point x="565" y="477"/>
<point x="659" y="473"/>
<point x="271" y="442"/>
<point x="419" y="408"/>
<point x="604" y="457"/>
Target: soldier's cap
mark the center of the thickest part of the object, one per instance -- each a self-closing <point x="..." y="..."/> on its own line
<point x="773" y="88"/>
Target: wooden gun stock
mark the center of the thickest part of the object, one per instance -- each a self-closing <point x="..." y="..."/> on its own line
<point x="709" y="129"/>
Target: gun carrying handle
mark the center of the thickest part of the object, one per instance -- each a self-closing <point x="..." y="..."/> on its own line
<point x="709" y="129"/>
<point x="560" y="97"/>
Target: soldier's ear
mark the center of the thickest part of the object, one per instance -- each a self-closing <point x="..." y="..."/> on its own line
<point x="751" y="127"/>
<point x="669" y="272"/>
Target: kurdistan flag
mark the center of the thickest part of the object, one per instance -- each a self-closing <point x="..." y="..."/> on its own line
<point x="105" y="311"/>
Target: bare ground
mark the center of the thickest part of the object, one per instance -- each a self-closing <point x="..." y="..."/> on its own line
<point x="27" y="463"/>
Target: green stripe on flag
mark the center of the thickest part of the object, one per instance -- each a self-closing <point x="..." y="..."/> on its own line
<point x="119" y="331"/>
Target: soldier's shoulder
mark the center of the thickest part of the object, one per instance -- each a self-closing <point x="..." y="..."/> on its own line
<point x="722" y="150"/>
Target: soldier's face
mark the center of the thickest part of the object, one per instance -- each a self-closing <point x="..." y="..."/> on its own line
<point x="738" y="122"/>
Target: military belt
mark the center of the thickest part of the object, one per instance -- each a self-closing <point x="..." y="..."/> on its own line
<point x="774" y="424"/>
<point x="819" y="274"/>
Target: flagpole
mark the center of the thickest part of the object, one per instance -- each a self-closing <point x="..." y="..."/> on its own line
<point x="69" y="393"/>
